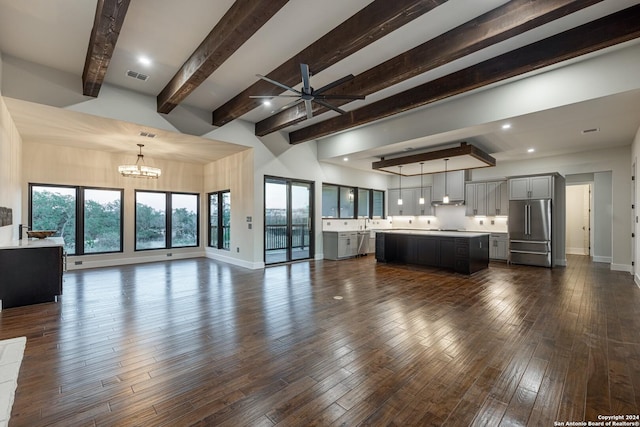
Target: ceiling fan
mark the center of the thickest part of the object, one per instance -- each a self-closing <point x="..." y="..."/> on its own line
<point x="307" y="94"/>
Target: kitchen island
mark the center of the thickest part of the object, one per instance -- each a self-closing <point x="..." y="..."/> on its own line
<point x="462" y="251"/>
<point x="31" y="271"/>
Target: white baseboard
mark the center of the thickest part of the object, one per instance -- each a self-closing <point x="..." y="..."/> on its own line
<point x="94" y="261"/>
<point x="576" y="251"/>
<point x="636" y="279"/>
<point x="606" y="259"/>
<point x="212" y="254"/>
<point x="621" y="267"/>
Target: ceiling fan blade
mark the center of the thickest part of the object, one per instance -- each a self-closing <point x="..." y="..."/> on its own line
<point x="283" y="86"/>
<point x="292" y="103"/>
<point x="273" y="96"/>
<point x="309" y="108"/>
<point x="334" y="84"/>
<point x="327" y="105"/>
<point x="306" y="85"/>
<point x="338" y="96"/>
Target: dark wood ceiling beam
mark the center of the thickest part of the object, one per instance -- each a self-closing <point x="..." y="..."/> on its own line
<point x="608" y="31"/>
<point x="376" y="20"/>
<point x="104" y="35"/>
<point x="499" y="24"/>
<point x="241" y="21"/>
<point x="463" y="150"/>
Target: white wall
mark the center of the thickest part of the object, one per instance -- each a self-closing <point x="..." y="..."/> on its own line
<point x="603" y="215"/>
<point x="635" y="154"/>
<point x="10" y="171"/>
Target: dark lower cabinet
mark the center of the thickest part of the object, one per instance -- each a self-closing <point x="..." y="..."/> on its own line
<point x="464" y="254"/>
<point x="30" y="275"/>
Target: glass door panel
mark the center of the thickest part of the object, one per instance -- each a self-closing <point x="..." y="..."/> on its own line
<point x="301" y="220"/>
<point x="275" y="221"/>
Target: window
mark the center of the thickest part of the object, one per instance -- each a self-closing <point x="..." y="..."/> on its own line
<point x="88" y="219"/>
<point x="363" y="203"/>
<point x="377" y="210"/>
<point x="329" y="201"/>
<point x="220" y="220"/>
<point x="345" y="202"/>
<point x="184" y="220"/>
<point x="102" y="221"/>
<point x="166" y="220"/>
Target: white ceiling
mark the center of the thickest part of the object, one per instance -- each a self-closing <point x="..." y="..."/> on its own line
<point x="55" y="33"/>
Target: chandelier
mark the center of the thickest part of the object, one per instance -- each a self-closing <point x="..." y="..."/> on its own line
<point x="139" y="170"/>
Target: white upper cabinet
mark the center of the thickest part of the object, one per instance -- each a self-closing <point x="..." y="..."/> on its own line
<point x="455" y="185"/>
<point x="497" y="198"/>
<point x="534" y="187"/>
<point x="410" y="202"/>
<point x="476" y="201"/>
<point x="487" y="198"/>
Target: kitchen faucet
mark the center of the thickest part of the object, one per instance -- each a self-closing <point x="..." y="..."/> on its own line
<point x="22" y="227"/>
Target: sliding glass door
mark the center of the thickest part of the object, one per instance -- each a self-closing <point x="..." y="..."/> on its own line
<point x="288" y="220"/>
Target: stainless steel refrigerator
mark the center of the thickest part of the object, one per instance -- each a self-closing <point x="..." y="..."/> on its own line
<point x="530" y="232"/>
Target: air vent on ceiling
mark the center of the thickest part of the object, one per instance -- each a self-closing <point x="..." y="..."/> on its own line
<point x="136" y="75"/>
<point x="591" y="130"/>
<point x="147" y="134"/>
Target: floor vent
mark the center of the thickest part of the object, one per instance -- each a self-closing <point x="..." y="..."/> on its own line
<point x="136" y="75"/>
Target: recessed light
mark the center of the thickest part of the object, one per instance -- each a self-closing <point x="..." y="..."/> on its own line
<point x="506" y="126"/>
<point x="346" y="159"/>
<point x="531" y="150"/>
<point x="266" y="102"/>
<point x="144" y="60"/>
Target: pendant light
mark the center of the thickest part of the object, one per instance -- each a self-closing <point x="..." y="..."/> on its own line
<point x="400" y="198"/>
<point x="139" y="169"/>
<point x="421" y="199"/>
<point x="445" y="199"/>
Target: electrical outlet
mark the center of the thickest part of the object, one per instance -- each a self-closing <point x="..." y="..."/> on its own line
<point x="238" y="249"/>
<point x="78" y="263"/>
<point x="428" y="221"/>
<point x="481" y="222"/>
<point x="250" y="226"/>
<point x="493" y="222"/>
<point x="169" y="254"/>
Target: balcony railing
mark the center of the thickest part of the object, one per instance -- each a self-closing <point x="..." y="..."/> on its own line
<point x="275" y="236"/>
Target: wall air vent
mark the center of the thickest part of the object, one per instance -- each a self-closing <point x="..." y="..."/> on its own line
<point x="136" y="75"/>
<point x="592" y="130"/>
<point x="147" y="134"/>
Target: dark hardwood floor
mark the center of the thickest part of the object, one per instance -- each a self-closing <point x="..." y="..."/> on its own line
<point x="197" y="342"/>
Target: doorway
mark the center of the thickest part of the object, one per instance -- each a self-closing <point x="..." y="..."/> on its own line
<point x="578" y="208"/>
<point x="288" y="220"/>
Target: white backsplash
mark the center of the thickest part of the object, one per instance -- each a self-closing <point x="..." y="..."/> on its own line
<point x="446" y="217"/>
<point x="337" y="224"/>
<point x="452" y="218"/>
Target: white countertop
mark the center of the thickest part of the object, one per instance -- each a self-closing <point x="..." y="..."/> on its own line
<point x="438" y="233"/>
<point x="32" y="243"/>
